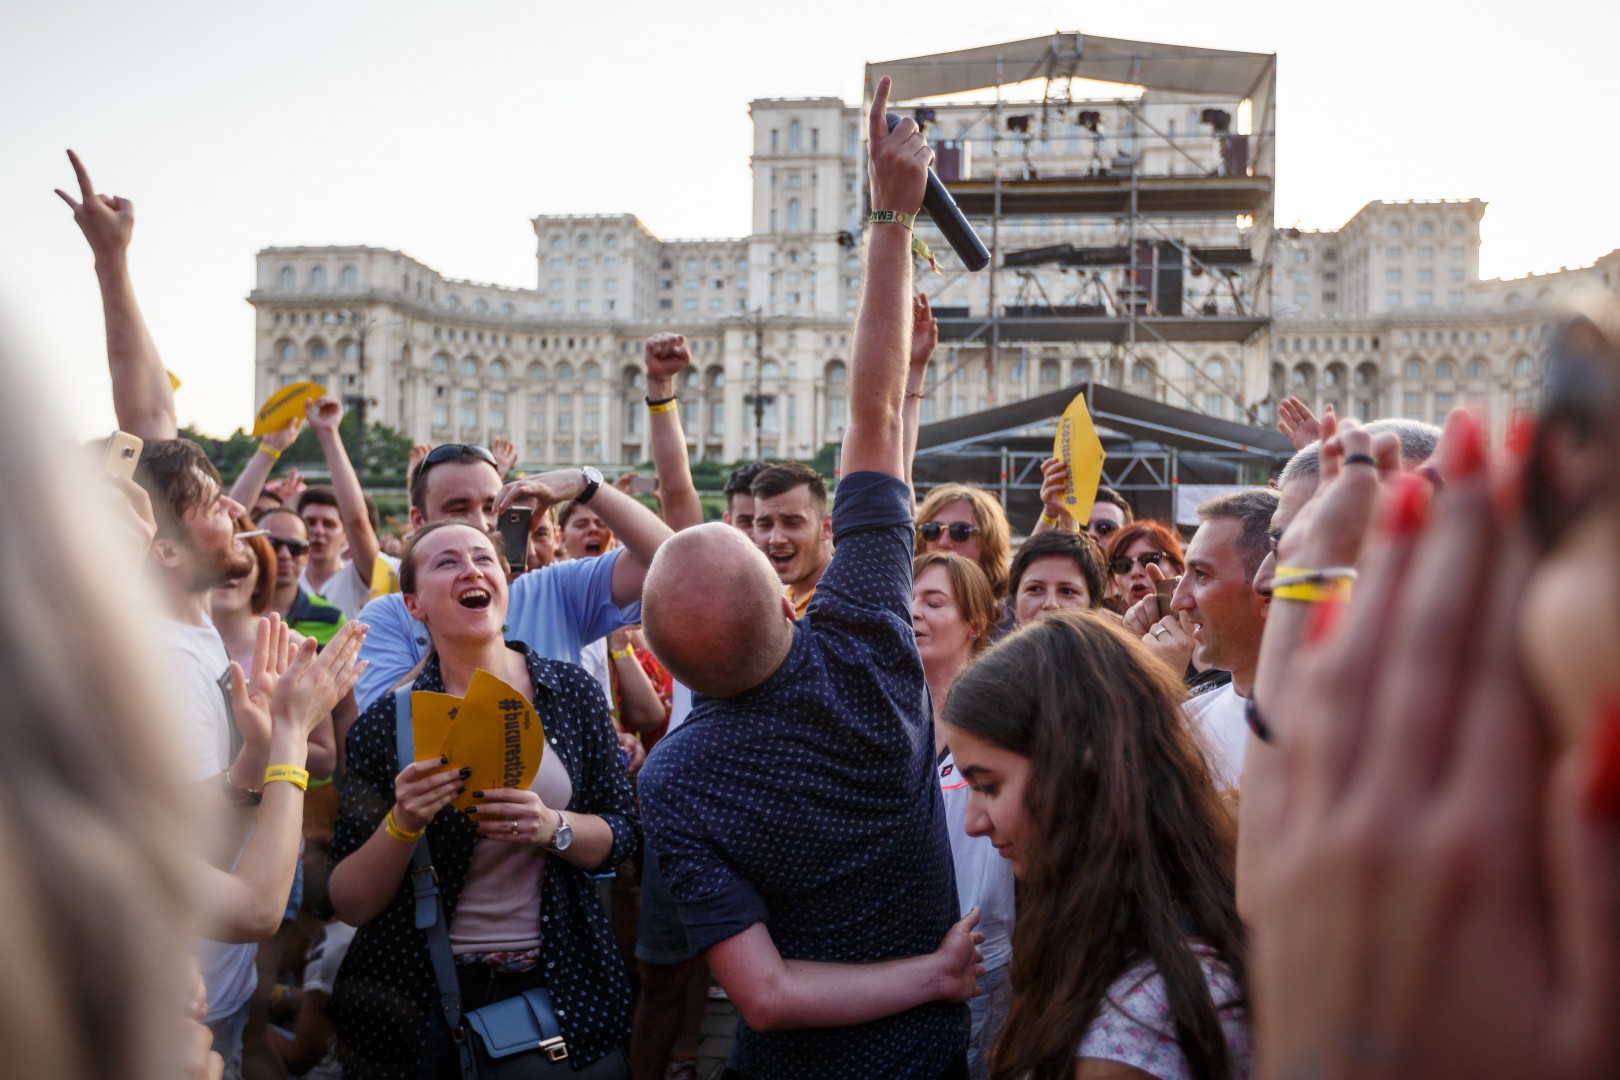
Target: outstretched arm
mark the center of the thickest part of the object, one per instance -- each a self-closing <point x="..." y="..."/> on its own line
<point x="924" y="336"/>
<point x="142" y="396"/>
<point x="637" y="528"/>
<point x="774" y="994"/>
<point x="250" y="484"/>
<point x="875" y="441"/>
<point x="325" y="414"/>
<point x="667" y="356"/>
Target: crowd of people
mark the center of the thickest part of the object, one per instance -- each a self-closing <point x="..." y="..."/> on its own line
<point x="1329" y="788"/>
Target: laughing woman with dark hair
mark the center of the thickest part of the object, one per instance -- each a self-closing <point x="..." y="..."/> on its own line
<point x="519" y="906"/>
<point x="1128" y="957"/>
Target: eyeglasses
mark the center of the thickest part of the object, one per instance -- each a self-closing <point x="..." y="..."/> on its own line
<point x="959" y="530"/>
<point x="1122" y="565"/>
<point x="454" y="451"/>
<point x="1103" y="528"/>
<point x="291" y="543"/>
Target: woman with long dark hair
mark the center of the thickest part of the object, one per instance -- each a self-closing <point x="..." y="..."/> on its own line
<point x="1128" y="949"/>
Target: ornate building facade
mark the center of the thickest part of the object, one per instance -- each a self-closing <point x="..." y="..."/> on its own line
<point x="1385" y="315"/>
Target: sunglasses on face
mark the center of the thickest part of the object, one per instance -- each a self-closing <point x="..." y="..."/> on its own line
<point x="294" y="545"/>
<point x="1122" y="565"/>
<point x="455" y="451"/>
<point x="960" y="531"/>
<point x="1102" y="528"/>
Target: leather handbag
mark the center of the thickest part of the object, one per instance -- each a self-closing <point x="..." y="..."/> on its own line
<point x="516" y="1038"/>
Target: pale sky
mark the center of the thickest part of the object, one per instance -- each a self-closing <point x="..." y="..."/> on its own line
<point x="439" y="130"/>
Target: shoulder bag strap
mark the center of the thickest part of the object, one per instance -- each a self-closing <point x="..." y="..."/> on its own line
<point x="425" y="883"/>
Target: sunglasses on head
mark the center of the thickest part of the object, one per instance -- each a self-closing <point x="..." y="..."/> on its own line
<point x="959" y="530"/>
<point x="291" y="543"/>
<point x="1122" y="565"/>
<point x="455" y="451"/>
<point x="1103" y="528"/>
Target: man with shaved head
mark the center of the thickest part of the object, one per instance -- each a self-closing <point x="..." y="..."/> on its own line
<point x="795" y="813"/>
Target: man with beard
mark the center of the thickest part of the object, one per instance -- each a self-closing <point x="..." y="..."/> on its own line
<point x="792" y="527"/>
<point x="194" y="550"/>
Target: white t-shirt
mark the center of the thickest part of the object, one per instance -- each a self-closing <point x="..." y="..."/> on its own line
<point x="680" y="704"/>
<point x="594" y="659"/>
<point x="345" y="588"/>
<point x="1217" y="718"/>
<point x="983" y="877"/>
<point x="200" y="688"/>
<point x="1133" y="1024"/>
<point x="320" y="971"/>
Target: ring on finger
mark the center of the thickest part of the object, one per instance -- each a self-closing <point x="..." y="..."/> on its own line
<point x="1361" y="459"/>
<point x="514" y="828"/>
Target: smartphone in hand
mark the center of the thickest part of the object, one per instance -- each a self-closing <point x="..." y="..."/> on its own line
<point x="122" y="455"/>
<point x="514" y="525"/>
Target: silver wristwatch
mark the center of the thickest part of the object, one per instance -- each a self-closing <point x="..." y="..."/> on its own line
<point x="563" y="836"/>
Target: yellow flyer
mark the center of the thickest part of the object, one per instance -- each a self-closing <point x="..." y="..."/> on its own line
<point x="384" y="578"/>
<point x="432" y="717"/>
<point x="497" y="734"/>
<point x="285" y="405"/>
<point x="1077" y="446"/>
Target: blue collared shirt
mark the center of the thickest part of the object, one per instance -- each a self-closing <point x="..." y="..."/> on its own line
<point x="810" y="803"/>
<point x="556" y="611"/>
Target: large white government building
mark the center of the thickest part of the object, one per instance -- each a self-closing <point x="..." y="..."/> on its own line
<point x="1385" y="315"/>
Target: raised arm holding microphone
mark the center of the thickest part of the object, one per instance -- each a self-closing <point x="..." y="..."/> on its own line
<point x="795" y="813"/>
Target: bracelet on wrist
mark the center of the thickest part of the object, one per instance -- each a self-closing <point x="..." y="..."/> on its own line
<point x="1048" y="520"/>
<point x="892" y="217"/>
<point x="399" y="833"/>
<point x="299" y="778"/>
<point x="241" y="796"/>
<point x="661" y="405"/>
<point x="269" y="451"/>
<point x="1333" y="592"/>
<point x="620" y="654"/>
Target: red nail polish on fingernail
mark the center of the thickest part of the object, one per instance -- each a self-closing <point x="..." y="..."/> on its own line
<point x="1323" y="619"/>
<point x="1470" y="445"/>
<point x="1521" y="433"/>
<point x="1409" y="506"/>
<point x="1603" y="763"/>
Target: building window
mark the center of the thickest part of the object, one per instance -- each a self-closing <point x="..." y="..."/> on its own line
<point x="793" y="135"/>
<point x="582" y="241"/>
<point x="1392" y="298"/>
<point x="317" y="277"/>
<point x="1425" y="298"/>
<point x="317" y="350"/>
<point x="497" y="369"/>
<point x="793" y="215"/>
<point x="1413" y="370"/>
<point x="349" y="277"/>
<point x="289" y="351"/>
<point x="1456" y="298"/>
<point x="1445" y="369"/>
<point x="1392" y="275"/>
<point x="537" y="414"/>
<point x="611" y="240"/>
<point x="350" y="351"/>
<point x="289" y="279"/>
<point x="469" y="411"/>
<point x="1425" y="274"/>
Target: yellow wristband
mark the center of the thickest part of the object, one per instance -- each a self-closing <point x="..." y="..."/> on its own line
<point x="1327" y="592"/>
<point x="620" y="654"/>
<point x="398" y="833"/>
<point x="270" y="452"/>
<point x="1048" y="519"/>
<point x="662" y="406"/>
<point x="290" y="773"/>
<point x="892" y="217"/>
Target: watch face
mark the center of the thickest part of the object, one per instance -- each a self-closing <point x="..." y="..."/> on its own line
<point x="592" y="473"/>
<point x="564" y="837"/>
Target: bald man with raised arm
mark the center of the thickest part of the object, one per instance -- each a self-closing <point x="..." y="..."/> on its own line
<point x="795" y="814"/>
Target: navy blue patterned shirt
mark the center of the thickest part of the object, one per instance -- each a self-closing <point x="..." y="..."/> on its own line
<point x="385" y="997"/>
<point x="810" y="803"/>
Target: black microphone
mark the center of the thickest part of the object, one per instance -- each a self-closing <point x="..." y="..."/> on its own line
<point x="948" y="218"/>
